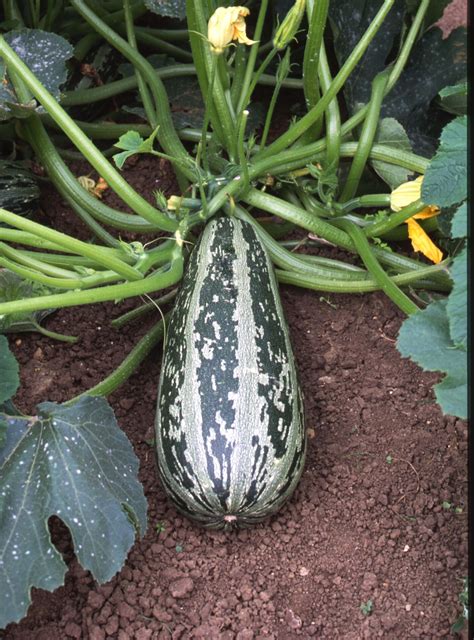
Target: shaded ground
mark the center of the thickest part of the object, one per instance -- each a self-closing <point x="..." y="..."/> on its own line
<point x="370" y="520"/>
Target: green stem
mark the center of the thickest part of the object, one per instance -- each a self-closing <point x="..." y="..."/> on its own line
<point x="387" y="284"/>
<point x="53" y="334"/>
<point x="317" y="16"/>
<point x="293" y="262"/>
<point x="378" y="228"/>
<point x="167" y="135"/>
<point x="33" y="262"/>
<point x="257" y="75"/>
<point x="158" y="44"/>
<point x="241" y="148"/>
<point x="254" y="50"/>
<point x="337" y="286"/>
<point x="295" y="158"/>
<point x="128" y="365"/>
<point x="221" y="118"/>
<point x="368" y="200"/>
<point x="332" y="115"/>
<point x="408" y="44"/>
<point x="367" y="137"/>
<point x="283" y="70"/>
<point x="142" y="87"/>
<point x="161" y="279"/>
<point x="82" y="142"/>
<point x="30" y="239"/>
<point x="297" y="129"/>
<point x="72" y="244"/>
<point x="98" y="279"/>
<point x="117" y="87"/>
<point x="138" y="312"/>
<point x="69" y="187"/>
<point x="319" y="227"/>
<point x="240" y="66"/>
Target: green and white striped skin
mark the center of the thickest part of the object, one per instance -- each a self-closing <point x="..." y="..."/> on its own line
<point x="230" y="434"/>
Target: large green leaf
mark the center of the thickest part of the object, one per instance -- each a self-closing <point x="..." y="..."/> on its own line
<point x="73" y="462"/>
<point x="459" y="222"/>
<point x="168" y="8"/>
<point x="434" y="63"/>
<point x="391" y="133"/>
<point x="45" y="54"/>
<point x="425" y="338"/>
<point x="349" y="20"/>
<point x="9" y="379"/>
<point x="19" y="189"/>
<point x="445" y="181"/>
<point x="457" y="301"/>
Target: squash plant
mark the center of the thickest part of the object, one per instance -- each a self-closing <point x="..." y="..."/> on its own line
<point x="368" y="112"/>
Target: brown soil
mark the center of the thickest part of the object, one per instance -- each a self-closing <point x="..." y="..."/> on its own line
<point x="367" y="521"/>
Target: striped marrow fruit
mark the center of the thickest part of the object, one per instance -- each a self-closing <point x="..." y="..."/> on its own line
<point x="230" y="435"/>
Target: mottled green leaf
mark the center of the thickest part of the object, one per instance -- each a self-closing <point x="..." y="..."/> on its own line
<point x="75" y="463"/>
<point x="45" y="54"/>
<point x="425" y="338"/>
<point x="391" y="133"/>
<point x="168" y="8"/>
<point x="349" y="20"/>
<point x="13" y="427"/>
<point x="459" y="222"/>
<point x="457" y="301"/>
<point x="187" y="106"/>
<point x="19" y="190"/>
<point x="445" y="181"/>
<point x="9" y="379"/>
<point x="434" y="63"/>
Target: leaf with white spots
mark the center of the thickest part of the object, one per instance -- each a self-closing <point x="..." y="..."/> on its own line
<point x="45" y="54"/>
<point x="9" y="368"/>
<point x="168" y="8"/>
<point x="73" y="462"/>
<point x="9" y="382"/>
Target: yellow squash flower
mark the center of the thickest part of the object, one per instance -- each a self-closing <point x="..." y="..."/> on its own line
<point x="400" y="198"/>
<point x="225" y="25"/>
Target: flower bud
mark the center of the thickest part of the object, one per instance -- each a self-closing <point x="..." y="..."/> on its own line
<point x="288" y="28"/>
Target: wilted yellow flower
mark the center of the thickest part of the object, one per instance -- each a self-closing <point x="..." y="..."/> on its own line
<point x="93" y="187"/>
<point x="225" y="25"/>
<point x="400" y="198"/>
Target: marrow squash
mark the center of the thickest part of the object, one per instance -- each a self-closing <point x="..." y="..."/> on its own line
<point x="230" y="436"/>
